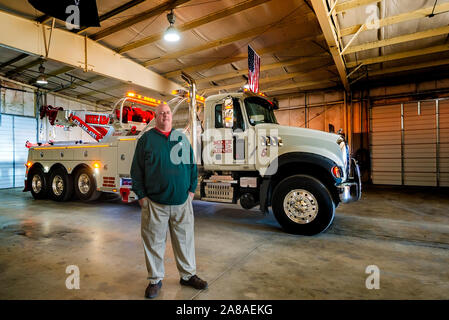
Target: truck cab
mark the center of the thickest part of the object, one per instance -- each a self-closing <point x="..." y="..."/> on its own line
<point x="247" y="157"/>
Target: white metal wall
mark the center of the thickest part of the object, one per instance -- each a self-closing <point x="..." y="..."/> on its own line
<point x="14" y="132"/>
<point x="409" y="143"/>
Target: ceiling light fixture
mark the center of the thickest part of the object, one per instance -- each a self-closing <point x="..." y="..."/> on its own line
<point x="171" y="34"/>
<point x="42" y="79"/>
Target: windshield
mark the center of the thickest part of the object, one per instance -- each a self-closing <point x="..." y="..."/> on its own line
<point x="259" y="110"/>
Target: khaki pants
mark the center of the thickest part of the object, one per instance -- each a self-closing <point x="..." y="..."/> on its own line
<point x="156" y="220"/>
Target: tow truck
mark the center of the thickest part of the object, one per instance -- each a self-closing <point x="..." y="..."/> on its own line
<point x="243" y="156"/>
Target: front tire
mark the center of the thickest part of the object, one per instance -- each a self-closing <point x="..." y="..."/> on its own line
<point x="37" y="183"/>
<point x="303" y="205"/>
<point x="85" y="185"/>
<point x="60" y="186"/>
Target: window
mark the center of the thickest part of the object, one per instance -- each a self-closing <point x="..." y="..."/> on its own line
<point x="238" y="117"/>
<point x="218" y="116"/>
<point x="259" y="110"/>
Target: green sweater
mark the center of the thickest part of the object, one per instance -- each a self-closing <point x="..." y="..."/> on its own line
<point x="164" y="169"/>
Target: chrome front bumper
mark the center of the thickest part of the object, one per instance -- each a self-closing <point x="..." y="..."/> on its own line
<point x="351" y="189"/>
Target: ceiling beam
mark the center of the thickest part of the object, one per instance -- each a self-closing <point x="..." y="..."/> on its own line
<point x="26" y="35"/>
<point x="400" y="39"/>
<point x="43" y="19"/>
<point x="166" y="6"/>
<point x="195" y="23"/>
<point x="400" y="55"/>
<point x="410" y="67"/>
<point x="341" y="7"/>
<point x="221" y="42"/>
<point x="299" y="85"/>
<point x="291" y="44"/>
<point x="276" y="65"/>
<point x="320" y="7"/>
<point x="417" y="14"/>
<point x="263" y="80"/>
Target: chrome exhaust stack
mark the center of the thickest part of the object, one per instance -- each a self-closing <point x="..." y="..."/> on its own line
<point x="192" y="114"/>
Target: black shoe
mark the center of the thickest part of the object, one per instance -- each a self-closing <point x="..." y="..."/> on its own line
<point x="195" y="282"/>
<point x="152" y="290"/>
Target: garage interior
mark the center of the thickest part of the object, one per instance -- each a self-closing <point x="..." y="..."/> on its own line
<point x="375" y="70"/>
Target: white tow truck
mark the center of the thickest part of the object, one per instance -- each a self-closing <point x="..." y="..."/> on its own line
<point x="243" y="155"/>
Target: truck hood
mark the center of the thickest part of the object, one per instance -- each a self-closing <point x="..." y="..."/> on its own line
<point x="299" y="132"/>
<point x="304" y="140"/>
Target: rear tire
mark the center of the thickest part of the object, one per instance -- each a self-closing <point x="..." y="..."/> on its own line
<point x="303" y="205"/>
<point x="85" y="185"/>
<point x="37" y="183"/>
<point x="60" y="186"/>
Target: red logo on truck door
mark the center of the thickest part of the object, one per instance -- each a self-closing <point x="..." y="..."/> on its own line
<point x="223" y="146"/>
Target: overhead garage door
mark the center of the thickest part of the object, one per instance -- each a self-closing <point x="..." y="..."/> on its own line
<point x="410" y="144"/>
<point x="14" y="132"/>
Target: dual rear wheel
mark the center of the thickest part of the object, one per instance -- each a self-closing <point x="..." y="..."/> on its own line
<point x="61" y="186"/>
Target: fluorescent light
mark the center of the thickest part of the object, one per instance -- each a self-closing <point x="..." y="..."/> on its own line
<point x="41" y="80"/>
<point x="171" y="34"/>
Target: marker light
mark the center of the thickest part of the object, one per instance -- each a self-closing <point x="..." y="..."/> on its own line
<point x="28" y="164"/>
<point x="336" y="171"/>
<point x="97" y="165"/>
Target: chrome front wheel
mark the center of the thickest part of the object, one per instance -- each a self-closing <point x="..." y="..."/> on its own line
<point x="301" y="206"/>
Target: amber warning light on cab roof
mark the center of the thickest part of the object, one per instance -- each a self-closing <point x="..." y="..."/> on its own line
<point x="274" y="103"/>
<point x="186" y="94"/>
<point x="143" y="100"/>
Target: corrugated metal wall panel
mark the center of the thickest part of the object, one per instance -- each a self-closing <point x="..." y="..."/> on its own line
<point x="6" y="152"/>
<point x="385" y="145"/>
<point x="443" y="108"/>
<point x="14" y="132"/>
<point x="24" y="130"/>
<point x="318" y="117"/>
<point x="422" y="154"/>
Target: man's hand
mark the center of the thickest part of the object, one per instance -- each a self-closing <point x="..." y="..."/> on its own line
<point x="191" y="194"/>
<point x="141" y="201"/>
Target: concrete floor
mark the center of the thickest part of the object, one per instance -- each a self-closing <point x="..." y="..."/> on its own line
<point x="243" y="254"/>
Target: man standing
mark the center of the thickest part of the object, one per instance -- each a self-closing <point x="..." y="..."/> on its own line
<point x="164" y="176"/>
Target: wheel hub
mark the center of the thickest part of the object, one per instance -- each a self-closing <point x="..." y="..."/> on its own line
<point x="57" y="185"/>
<point x="84" y="183"/>
<point x="36" y="183"/>
<point x="300" y="206"/>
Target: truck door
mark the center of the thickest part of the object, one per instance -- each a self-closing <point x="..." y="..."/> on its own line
<point x="229" y="146"/>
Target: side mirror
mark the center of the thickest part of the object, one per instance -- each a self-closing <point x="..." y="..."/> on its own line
<point x="228" y="113"/>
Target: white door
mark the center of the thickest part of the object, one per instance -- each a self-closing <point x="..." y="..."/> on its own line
<point x="6" y="152"/>
<point x="14" y="132"/>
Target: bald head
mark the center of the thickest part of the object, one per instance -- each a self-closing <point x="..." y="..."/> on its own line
<point x="163" y="117"/>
